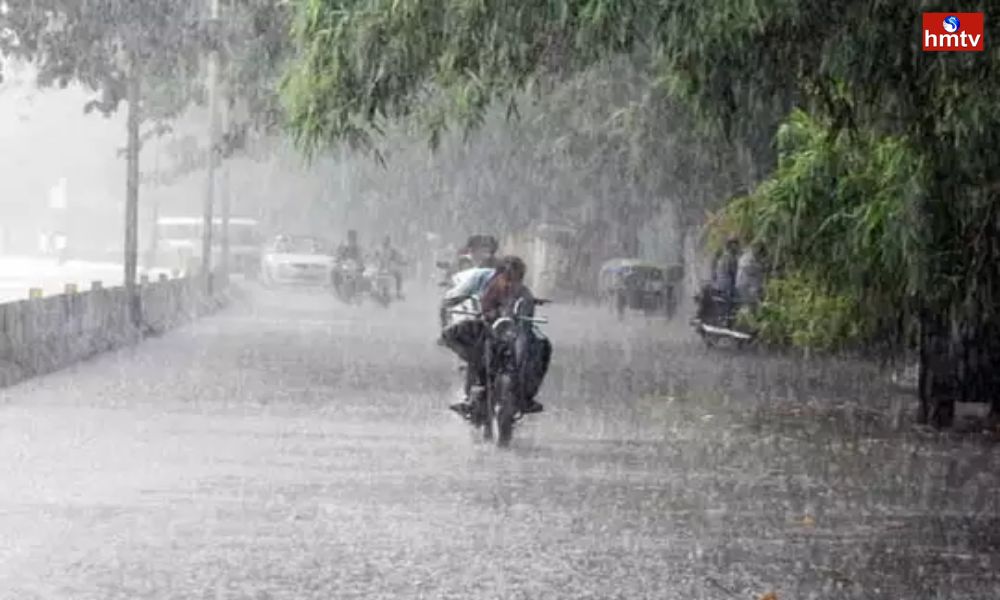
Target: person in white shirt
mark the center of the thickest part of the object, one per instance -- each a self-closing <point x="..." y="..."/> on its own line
<point x="749" y="277"/>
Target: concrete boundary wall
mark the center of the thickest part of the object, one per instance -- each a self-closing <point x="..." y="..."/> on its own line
<point x="42" y="335"/>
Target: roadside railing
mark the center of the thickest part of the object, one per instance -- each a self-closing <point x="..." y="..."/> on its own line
<point x="41" y="334"/>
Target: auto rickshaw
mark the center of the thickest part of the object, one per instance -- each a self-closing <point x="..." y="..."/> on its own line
<point x="629" y="283"/>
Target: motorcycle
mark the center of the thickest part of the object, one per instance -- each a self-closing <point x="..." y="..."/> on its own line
<point x="380" y="284"/>
<point x="496" y="404"/>
<point x="719" y="321"/>
<point x="348" y="281"/>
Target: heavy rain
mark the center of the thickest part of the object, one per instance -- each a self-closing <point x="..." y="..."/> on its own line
<point x="313" y="299"/>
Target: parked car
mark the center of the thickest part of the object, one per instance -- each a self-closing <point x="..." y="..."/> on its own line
<point x="297" y="260"/>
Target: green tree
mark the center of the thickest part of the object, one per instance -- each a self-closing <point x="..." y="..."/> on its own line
<point x="860" y="66"/>
<point x="146" y="53"/>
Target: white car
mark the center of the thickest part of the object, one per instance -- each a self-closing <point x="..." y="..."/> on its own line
<point x="296" y="261"/>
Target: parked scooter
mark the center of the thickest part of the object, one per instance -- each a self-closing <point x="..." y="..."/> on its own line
<point x="717" y="321"/>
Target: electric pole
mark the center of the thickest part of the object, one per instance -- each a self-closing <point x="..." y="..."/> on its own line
<point x="224" y="192"/>
<point x="224" y="184"/>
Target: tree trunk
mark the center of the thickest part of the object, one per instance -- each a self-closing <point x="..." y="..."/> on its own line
<point x="681" y="240"/>
<point x="938" y="382"/>
<point x="959" y="325"/>
<point x="213" y="153"/>
<point x="959" y="362"/>
<point x="132" y="192"/>
<point x="628" y="224"/>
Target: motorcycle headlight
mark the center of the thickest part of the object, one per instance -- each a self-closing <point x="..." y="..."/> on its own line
<point x="505" y="329"/>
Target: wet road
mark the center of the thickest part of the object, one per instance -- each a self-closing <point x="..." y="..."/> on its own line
<point x="295" y="449"/>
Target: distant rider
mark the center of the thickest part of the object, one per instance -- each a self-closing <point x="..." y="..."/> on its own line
<point x="350" y="250"/>
<point x="282" y="244"/>
<point x="498" y="289"/>
<point x="391" y="260"/>
<point x="723" y="282"/>
<point x="726" y="267"/>
<point x="483" y="250"/>
<point x="750" y="276"/>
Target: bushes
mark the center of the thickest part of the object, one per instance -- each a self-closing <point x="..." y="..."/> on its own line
<point x="835" y="220"/>
<point x="797" y="311"/>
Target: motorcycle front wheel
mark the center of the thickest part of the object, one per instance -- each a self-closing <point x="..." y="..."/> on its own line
<point x="383" y="297"/>
<point x="505" y="411"/>
<point x="489" y="415"/>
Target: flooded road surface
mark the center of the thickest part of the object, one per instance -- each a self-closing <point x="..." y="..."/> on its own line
<point x="294" y="448"/>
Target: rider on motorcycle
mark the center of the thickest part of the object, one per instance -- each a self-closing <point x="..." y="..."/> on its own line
<point x="282" y="243"/>
<point x="498" y="289"/>
<point x="723" y="282"/>
<point x="348" y="251"/>
<point x="391" y="260"/>
<point x="482" y="249"/>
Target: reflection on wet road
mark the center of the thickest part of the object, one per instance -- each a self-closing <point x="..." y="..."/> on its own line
<point x="294" y="448"/>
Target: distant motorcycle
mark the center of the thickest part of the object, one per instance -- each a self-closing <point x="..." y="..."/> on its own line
<point x="719" y="321"/>
<point x="380" y="284"/>
<point x="496" y="404"/>
<point x="349" y="282"/>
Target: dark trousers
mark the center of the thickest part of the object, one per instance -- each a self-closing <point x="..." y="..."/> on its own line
<point x="466" y="340"/>
<point x="537" y="365"/>
<point x="398" y="276"/>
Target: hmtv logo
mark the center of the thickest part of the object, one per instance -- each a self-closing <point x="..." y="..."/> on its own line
<point x="953" y="32"/>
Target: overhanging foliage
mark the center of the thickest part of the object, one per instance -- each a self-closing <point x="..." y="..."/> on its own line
<point x="838" y="214"/>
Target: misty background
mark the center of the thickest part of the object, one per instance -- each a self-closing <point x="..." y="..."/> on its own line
<point x="578" y="158"/>
<point x="48" y="144"/>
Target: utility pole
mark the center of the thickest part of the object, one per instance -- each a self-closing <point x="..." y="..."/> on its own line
<point x="213" y="143"/>
<point x="153" y="247"/>
<point x="224" y="192"/>
<point x="224" y="184"/>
